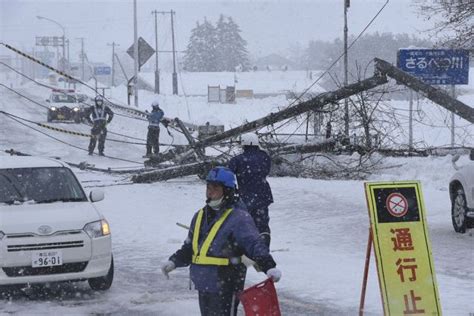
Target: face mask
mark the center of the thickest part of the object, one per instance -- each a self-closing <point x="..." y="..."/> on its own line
<point x="215" y="204"/>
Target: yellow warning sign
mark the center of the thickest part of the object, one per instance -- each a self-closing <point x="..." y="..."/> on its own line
<point x="402" y="248"/>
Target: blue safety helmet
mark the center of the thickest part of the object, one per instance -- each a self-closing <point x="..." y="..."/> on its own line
<point x="222" y="175"/>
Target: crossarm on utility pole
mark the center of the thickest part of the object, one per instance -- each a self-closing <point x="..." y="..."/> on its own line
<point x="436" y="95"/>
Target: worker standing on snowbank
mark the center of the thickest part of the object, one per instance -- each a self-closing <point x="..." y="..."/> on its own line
<point x="221" y="232"/>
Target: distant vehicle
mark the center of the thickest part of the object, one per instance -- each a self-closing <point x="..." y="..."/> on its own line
<point x="209" y="130"/>
<point x="65" y="105"/>
<point x="461" y="191"/>
<point x="49" y="229"/>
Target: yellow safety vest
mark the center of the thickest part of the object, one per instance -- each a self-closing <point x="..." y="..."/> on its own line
<point x="200" y="255"/>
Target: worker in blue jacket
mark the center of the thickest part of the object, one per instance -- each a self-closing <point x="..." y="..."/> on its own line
<point x="220" y="233"/>
<point x="252" y="168"/>
<point x="153" y="135"/>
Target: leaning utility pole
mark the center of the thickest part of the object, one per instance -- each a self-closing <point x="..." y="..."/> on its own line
<point x="346" y="104"/>
<point x="157" y="70"/>
<point x="135" y="52"/>
<point x="113" y="62"/>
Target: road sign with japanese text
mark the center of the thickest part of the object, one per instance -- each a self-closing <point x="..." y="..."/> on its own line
<point x="402" y="248"/>
<point x="436" y="66"/>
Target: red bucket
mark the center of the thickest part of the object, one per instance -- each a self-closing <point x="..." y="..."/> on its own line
<point x="260" y="300"/>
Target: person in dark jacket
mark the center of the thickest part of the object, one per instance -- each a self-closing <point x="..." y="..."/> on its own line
<point x="220" y="233"/>
<point x="153" y="135"/>
<point x="252" y="168"/>
<point x="99" y="116"/>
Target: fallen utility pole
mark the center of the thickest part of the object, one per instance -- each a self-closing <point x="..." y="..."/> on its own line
<point x="382" y="70"/>
<point x="199" y="151"/>
<point x="326" y="145"/>
<point x="314" y="104"/>
<point x="436" y="95"/>
<point x="174" y="172"/>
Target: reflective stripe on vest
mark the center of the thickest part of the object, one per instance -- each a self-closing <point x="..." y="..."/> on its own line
<point x="99" y="115"/>
<point x="200" y="256"/>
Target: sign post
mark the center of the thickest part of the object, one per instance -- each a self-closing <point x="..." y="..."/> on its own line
<point x="435" y="67"/>
<point x="399" y="234"/>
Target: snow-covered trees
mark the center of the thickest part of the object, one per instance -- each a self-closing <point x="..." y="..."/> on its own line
<point x="453" y="21"/>
<point x="219" y="48"/>
<point x="201" y="50"/>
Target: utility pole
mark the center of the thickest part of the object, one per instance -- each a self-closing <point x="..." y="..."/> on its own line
<point x="82" y="57"/>
<point x="113" y="62"/>
<point x="157" y="70"/>
<point x="68" y="60"/>
<point x="410" y="122"/>
<point x="453" y="135"/>
<point x="175" y="76"/>
<point x="135" y="52"/>
<point x="346" y="104"/>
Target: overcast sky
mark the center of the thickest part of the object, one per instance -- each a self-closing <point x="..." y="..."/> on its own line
<point x="268" y="26"/>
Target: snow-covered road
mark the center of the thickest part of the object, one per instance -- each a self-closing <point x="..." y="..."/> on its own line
<point x="319" y="233"/>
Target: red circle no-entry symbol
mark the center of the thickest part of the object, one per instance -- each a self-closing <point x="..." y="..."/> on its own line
<point x="397" y="204"/>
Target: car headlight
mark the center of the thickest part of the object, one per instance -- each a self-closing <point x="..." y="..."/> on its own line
<point x="76" y="109"/>
<point x="1" y="235"/>
<point x="97" y="229"/>
<point x="53" y="108"/>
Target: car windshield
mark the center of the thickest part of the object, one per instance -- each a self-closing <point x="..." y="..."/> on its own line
<point x="64" y="98"/>
<point x="39" y="185"/>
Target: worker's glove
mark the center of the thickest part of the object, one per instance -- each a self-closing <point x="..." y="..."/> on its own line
<point x="274" y="274"/>
<point x="165" y="123"/>
<point x="167" y="268"/>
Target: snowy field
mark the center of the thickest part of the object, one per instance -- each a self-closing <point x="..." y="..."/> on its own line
<point x="319" y="228"/>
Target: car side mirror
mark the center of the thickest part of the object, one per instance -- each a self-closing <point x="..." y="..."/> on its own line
<point x="96" y="195"/>
<point x="47" y="100"/>
<point x="471" y="154"/>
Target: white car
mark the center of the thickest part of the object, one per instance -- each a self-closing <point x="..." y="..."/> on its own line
<point x="461" y="191"/>
<point x="50" y="231"/>
<point x="65" y="105"/>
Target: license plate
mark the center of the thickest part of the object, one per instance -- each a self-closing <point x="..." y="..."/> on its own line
<point x="60" y="117"/>
<point x="46" y="259"/>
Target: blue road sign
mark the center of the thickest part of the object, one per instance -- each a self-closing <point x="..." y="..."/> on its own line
<point x="436" y="66"/>
<point x="102" y="70"/>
